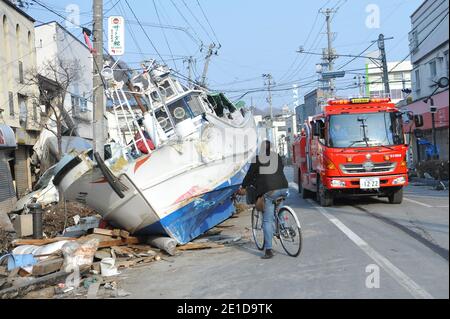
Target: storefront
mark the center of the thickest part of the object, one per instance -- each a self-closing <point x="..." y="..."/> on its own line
<point x="441" y="102"/>
<point x="7" y="191"/>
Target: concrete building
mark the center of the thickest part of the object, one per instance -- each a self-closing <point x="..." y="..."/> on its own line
<point x="19" y="107"/>
<point x="314" y="101"/>
<point x="399" y="79"/>
<point x="53" y="43"/>
<point x="429" y="47"/>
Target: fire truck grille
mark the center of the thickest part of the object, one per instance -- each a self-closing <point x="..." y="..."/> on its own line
<point x="386" y="167"/>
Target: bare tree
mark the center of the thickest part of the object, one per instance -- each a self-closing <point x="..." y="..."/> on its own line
<point x="54" y="81"/>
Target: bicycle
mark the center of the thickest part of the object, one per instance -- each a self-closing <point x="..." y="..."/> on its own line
<point x="287" y="228"/>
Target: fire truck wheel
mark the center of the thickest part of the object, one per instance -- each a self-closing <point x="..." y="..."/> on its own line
<point x="396" y="197"/>
<point x="324" y="198"/>
<point x="305" y="193"/>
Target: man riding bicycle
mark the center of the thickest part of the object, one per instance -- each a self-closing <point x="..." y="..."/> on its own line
<point x="266" y="175"/>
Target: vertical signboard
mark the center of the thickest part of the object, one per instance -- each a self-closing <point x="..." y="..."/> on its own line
<point x="116" y="35"/>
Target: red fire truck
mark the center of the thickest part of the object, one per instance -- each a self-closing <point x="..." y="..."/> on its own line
<point x="356" y="147"/>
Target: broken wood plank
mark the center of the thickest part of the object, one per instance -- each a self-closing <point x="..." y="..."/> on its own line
<point x="47" y="267"/>
<point x="40" y="242"/>
<point x="108" y="241"/>
<point x="118" y="242"/>
<point x="100" y="231"/>
<point x="197" y="246"/>
<point x="115" y="233"/>
<point x="123" y="251"/>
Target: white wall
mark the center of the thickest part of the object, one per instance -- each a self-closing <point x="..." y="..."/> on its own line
<point x="399" y="79"/>
<point x="52" y="42"/>
<point x="17" y="45"/>
<point x="426" y="51"/>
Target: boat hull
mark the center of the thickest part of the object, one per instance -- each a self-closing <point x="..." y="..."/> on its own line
<point x="180" y="190"/>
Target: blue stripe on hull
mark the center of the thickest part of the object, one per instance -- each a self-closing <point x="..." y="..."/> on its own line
<point x="202" y="214"/>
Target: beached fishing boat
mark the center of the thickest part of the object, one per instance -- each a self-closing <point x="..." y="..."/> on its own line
<point x="180" y="186"/>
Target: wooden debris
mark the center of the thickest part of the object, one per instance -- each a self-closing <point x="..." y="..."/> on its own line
<point x="47" y="267"/>
<point x="108" y="241"/>
<point x="100" y="231"/>
<point x="115" y="233"/>
<point x="40" y="242"/>
<point x="197" y="246"/>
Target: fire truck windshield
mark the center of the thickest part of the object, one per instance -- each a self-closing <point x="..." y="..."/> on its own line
<point x="365" y="130"/>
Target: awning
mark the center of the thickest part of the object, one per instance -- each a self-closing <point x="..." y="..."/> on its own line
<point x="7" y="137"/>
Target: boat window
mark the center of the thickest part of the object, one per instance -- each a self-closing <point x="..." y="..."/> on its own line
<point x="163" y="119"/>
<point x="195" y="105"/>
<point x="180" y="111"/>
<point x="166" y="89"/>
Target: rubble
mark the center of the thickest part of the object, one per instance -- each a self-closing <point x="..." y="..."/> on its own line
<point x="102" y="256"/>
<point x="56" y="218"/>
<point x="6" y="239"/>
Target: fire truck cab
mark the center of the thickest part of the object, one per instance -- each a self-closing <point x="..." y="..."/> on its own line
<point x="356" y="147"/>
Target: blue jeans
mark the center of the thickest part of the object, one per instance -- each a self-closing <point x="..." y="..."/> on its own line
<point x="269" y="216"/>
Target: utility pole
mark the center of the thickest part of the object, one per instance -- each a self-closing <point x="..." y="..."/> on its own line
<point x="330" y="55"/>
<point x="269" y="89"/>
<point x="189" y="62"/>
<point x="360" y="84"/>
<point x="99" y="133"/>
<point x="207" y="61"/>
<point x="382" y="48"/>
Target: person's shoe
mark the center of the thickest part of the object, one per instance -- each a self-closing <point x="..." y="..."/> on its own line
<point x="268" y="254"/>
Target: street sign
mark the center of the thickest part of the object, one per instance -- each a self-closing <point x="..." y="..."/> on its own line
<point x="116" y="35"/>
<point x="332" y="75"/>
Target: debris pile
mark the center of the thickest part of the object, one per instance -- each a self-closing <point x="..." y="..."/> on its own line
<point x="57" y="217"/>
<point x="89" y="265"/>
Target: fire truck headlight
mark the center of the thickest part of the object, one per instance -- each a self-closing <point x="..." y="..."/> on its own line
<point x="337" y="183"/>
<point x="399" y="181"/>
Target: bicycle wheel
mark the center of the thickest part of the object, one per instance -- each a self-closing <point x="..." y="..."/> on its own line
<point x="290" y="232"/>
<point x="257" y="228"/>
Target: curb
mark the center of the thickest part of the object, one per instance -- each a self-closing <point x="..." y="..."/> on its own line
<point x="427" y="181"/>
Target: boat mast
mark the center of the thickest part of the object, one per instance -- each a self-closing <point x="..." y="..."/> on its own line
<point x="99" y="133"/>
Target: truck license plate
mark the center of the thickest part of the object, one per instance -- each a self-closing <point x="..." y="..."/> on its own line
<point x="369" y="183"/>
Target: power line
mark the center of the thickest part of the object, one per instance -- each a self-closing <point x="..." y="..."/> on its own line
<point x="207" y="20"/>
<point x="354" y="58"/>
<point x="145" y="32"/>
<point x="164" y="34"/>
<point x="196" y="19"/>
<point x="187" y="22"/>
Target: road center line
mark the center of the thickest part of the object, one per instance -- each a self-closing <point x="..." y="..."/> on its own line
<point x="416" y="202"/>
<point x="412" y="287"/>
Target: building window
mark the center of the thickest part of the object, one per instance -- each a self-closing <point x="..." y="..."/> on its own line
<point x="417" y="82"/>
<point x="433" y="70"/>
<point x="11" y="103"/>
<point x="21" y="78"/>
<point x="79" y="105"/>
<point x="75" y="102"/>
<point x="23" y="110"/>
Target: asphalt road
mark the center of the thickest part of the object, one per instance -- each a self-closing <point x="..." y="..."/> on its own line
<point x="359" y="248"/>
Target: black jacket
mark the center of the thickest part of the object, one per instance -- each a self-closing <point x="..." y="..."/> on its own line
<point x="265" y="182"/>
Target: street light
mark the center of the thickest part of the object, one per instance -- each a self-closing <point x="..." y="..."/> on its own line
<point x="441" y="84"/>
